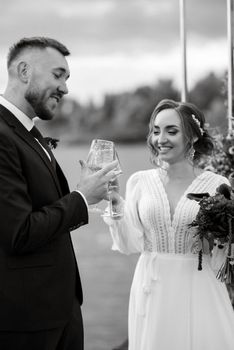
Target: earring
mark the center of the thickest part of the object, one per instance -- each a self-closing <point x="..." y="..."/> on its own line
<point x="190" y="154"/>
<point x="159" y="162"/>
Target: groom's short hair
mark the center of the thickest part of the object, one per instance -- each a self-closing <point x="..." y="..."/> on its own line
<point x="34" y="42"/>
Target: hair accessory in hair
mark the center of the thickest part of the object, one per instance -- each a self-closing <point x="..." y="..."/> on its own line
<point x="198" y="124"/>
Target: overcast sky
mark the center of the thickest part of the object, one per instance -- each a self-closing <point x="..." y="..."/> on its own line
<point x="117" y="45"/>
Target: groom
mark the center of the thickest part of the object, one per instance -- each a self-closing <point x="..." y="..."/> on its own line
<point x="40" y="288"/>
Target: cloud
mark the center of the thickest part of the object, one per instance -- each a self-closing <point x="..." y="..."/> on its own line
<point x="94" y="76"/>
<point x="101" y="26"/>
<point x="85" y="9"/>
<point x="119" y="44"/>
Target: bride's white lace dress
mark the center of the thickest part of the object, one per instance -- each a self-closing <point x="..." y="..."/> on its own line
<point x="172" y="306"/>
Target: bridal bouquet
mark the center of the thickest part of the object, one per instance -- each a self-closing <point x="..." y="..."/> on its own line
<point x="215" y="223"/>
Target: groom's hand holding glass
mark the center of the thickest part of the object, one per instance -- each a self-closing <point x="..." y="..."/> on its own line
<point x="94" y="185"/>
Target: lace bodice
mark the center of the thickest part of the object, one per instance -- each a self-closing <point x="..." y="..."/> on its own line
<point x="147" y="224"/>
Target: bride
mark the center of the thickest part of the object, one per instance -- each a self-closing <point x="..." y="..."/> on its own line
<point x="172" y="304"/>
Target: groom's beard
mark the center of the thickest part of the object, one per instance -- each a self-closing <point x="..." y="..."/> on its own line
<point x="40" y="102"/>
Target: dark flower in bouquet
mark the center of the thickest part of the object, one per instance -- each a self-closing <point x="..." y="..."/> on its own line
<point x="215" y="223"/>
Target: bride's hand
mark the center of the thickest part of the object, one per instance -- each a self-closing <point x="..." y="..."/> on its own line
<point x="114" y="190"/>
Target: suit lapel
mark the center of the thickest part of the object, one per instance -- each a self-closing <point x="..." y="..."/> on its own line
<point x="23" y="133"/>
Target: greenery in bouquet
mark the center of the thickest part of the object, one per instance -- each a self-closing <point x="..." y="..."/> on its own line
<point x="222" y="160"/>
<point x="215" y="222"/>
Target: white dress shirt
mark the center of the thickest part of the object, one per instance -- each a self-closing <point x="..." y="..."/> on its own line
<point x="22" y="118"/>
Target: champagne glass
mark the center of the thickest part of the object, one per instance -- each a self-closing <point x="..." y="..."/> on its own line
<point x="100" y="154"/>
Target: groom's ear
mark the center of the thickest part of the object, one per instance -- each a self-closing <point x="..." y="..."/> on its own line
<point x="23" y="71"/>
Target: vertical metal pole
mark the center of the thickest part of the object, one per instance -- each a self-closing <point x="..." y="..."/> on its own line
<point x="184" y="89"/>
<point x="230" y="65"/>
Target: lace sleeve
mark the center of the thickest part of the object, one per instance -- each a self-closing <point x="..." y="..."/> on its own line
<point x="127" y="233"/>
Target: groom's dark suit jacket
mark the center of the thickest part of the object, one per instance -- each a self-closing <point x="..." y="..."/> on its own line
<point x="39" y="278"/>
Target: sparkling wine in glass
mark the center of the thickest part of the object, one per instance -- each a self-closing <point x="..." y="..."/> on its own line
<point x="100" y="154"/>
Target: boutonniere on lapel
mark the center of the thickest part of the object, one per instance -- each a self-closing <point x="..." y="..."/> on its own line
<point x="51" y="142"/>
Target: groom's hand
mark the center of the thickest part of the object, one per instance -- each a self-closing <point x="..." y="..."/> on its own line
<point x="94" y="186"/>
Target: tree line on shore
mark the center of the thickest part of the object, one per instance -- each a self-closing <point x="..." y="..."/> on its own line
<point x="124" y="117"/>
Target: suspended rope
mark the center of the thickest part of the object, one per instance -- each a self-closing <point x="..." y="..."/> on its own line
<point x="184" y="89"/>
<point x="230" y="9"/>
